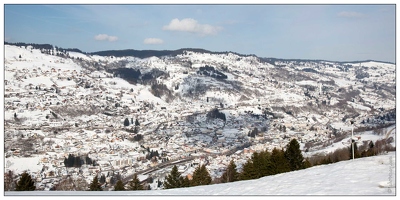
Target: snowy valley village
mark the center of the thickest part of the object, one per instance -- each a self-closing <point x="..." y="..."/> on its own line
<point x="195" y="122"/>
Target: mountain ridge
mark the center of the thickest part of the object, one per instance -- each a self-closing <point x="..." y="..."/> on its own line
<point x="146" y="53"/>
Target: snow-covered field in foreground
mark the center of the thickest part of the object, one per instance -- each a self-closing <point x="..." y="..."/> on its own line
<point x="363" y="176"/>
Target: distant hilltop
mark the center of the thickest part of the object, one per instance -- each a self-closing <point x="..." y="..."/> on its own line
<point x="161" y="53"/>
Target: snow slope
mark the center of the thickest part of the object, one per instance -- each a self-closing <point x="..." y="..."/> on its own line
<point x="364" y="176"/>
<point x="250" y="84"/>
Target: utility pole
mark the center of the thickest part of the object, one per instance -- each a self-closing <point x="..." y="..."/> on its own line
<point x="352" y="143"/>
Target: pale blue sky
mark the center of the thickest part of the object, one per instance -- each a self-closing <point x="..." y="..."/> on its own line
<point x="328" y="32"/>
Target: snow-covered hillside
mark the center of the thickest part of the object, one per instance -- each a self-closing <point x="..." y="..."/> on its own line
<point x="192" y="108"/>
<point x="365" y="176"/>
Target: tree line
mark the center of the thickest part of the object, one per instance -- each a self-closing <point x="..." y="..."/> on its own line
<point x="77" y="161"/>
<point x="365" y="150"/>
<point x="260" y="164"/>
<point x="201" y="176"/>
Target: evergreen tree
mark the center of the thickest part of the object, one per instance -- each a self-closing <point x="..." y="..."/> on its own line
<point x="257" y="164"/>
<point x="173" y="179"/>
<point x="134" y="184"/>
<point x="372" y="150"/>
<point x="119" y="186"/>
<point x="253" y="133"/>
<point x="248" y="171"/>
<point x="95" y="185"/>
<point x="137" y="122"/>
<point x="73" y="161"/>
<point x="371" y="145"/>
<point x="25" y="183"/>
<point x="201" y="176"/>
<point x="185" y="182"/>
<point x="113" y="180"/>
<point x="77" y="161"/>
<point x="126" y="122"/>
<point x="294" y="156"/>
<point x="136" y="129"/>
<point x="67" y="161"/>
<point x="231" y="174"/>
<point x="88" y="160"/>
<point x="262" y="163"/>
<point x="279" y="164"/>
<point x="159" y="183"/>
<point x="102" y="179"/>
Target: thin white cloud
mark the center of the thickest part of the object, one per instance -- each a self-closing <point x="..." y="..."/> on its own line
<point x="192" y="26"/>
<point x="153" y="41"/>
<point x="105" y="37"/>
<point x="350" y="14"/>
